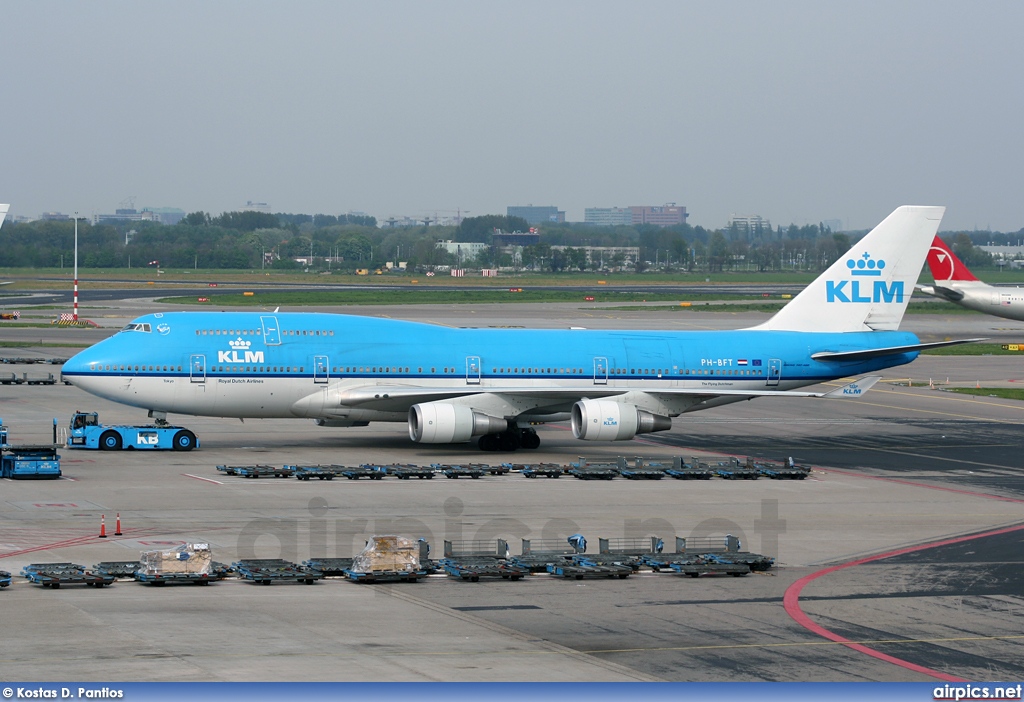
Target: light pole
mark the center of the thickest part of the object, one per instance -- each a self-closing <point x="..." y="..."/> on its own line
<point x="74" y="316"/>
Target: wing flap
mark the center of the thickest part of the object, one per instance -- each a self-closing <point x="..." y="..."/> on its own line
<point x="379" y="396"/>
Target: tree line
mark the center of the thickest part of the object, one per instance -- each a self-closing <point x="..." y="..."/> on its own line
<point x="255" y="240"/>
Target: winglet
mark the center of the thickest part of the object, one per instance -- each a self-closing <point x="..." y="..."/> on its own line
<point x="945" y="265"/>
<point x="3" y="213"/>
<point x="854" y="389"/>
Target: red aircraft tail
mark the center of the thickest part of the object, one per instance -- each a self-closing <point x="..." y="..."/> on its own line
<point x="944" y="264"/>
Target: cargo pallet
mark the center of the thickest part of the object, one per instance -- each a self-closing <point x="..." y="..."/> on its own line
<point x="119" y="570"/>
<point x="5" y="578"/>
<point x="319" y="472"/>
<point x="363" y="472"/>
<point x="456" y="472"/>
<point x="385" y="576"/>
<point x="248" y="471"/>
<point x="708" y="555"/>
<point x="694" y="470"/>
<point x="597" y="470"/>
<point x="734" y="470"/>
<point x="537" y="555"/>
<point x="541" y="470"/>
<point x="627" y="552"/>
<point x="53" y="575"/>
<point x="409" y="470"/>
<point x="260" y="471"/>
<point x="330" y="567"/>
<point x="472" y="560"/>
<point x="500" y="469"/>
<point x="642" y="473"/>
<point x="26" y="379"/>
<point x="581" y="567"/>
<point x="787" y="471"/>
<point x="164" y="578"/>
<point x="266" y="570"/>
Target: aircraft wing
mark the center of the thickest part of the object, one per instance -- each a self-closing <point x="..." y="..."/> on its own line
<point x="392" y="396"/>
<point x="887" y="351"/>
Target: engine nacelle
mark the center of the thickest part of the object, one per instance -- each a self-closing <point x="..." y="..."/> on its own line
<point x="445" y="423"/>
<point x="607" y="420"/>
<point x="339" y="423"/>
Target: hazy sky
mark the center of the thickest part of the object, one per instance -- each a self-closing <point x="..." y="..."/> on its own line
<point x="797" y="111"/>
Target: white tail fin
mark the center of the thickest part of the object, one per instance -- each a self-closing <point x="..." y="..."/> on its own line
<point x="3" y="213"/>
<point x="869" y="287"/>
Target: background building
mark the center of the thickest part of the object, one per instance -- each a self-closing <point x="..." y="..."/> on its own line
<point x="538" y="214"/>
<point x="464" y="250"/>
<point x="608" y="216"/>
<point x="663" y="216"/>
<point x="659" y="215"/>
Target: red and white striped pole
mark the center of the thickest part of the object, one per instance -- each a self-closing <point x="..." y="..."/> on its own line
<point x="75" y="314"/>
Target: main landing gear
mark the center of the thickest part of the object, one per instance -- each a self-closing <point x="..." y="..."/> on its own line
<point x="511" y="440"/>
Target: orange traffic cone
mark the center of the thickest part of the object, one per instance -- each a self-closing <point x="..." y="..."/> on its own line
<point x="103" y="526"/>
<point x="117" y="527"/>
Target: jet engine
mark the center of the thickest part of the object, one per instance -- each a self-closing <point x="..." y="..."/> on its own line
<point x="606" y="420"/>
<point x="445" y="423"/>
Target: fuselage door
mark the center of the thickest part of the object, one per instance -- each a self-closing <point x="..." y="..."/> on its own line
<point x="600" y="370"/>
<point x="197" y="368"/>
<point x="271" y="332"/>
<point x="321" y="369"/>
<point x="472" y="370"/>
<point x="774" y="372"/>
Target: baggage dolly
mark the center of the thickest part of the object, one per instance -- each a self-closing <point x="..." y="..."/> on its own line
<point x="266" y="570"/>
<point x="318" y="472"/>
<point x="542" y="470"/>
<point x="53" y="575"/>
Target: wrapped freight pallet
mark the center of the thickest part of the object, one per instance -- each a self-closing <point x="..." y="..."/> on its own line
<point x="193" y="559"/>
<point x="388" y="553"/>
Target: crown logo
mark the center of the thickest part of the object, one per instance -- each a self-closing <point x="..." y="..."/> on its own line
<point x="865" y="265"/>
<point x="239" y="344"/>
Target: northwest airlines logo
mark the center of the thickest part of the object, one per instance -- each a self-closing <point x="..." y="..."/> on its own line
<point x="240" y="353"/>
<point x="860" y="287"/>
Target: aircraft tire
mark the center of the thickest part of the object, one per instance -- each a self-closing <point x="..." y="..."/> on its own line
<point x="509" y="440"/>
<point x="184" y="440"/>
<point x="528" y="439"/>
<point x="110" y="441"/>
<point x="488" y="442"/>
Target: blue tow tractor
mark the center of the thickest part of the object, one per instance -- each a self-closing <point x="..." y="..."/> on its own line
<point x="87" y="432"/>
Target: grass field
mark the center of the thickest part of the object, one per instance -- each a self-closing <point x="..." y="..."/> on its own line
<point x="1004" y="393"/>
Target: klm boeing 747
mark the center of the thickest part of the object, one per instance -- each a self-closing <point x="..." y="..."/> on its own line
<point x="451" y="385"/>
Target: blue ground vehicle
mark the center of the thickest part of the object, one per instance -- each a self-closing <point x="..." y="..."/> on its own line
<point x="87" y="432"/>
<point x="27" y="461"/>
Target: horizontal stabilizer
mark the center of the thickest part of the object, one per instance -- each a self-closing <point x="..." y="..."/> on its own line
<point x="941" y="292"/>
<point x="888" y="351"/>
<point x="854" y="389"/>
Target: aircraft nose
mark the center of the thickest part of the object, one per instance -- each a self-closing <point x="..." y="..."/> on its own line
<point x="80" y="366"/>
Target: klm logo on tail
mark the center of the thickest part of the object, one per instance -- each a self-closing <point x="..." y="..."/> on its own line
<point x="859" y="290"/>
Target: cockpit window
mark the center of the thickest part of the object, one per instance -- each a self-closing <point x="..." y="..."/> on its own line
<point x="138" y="327"/>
